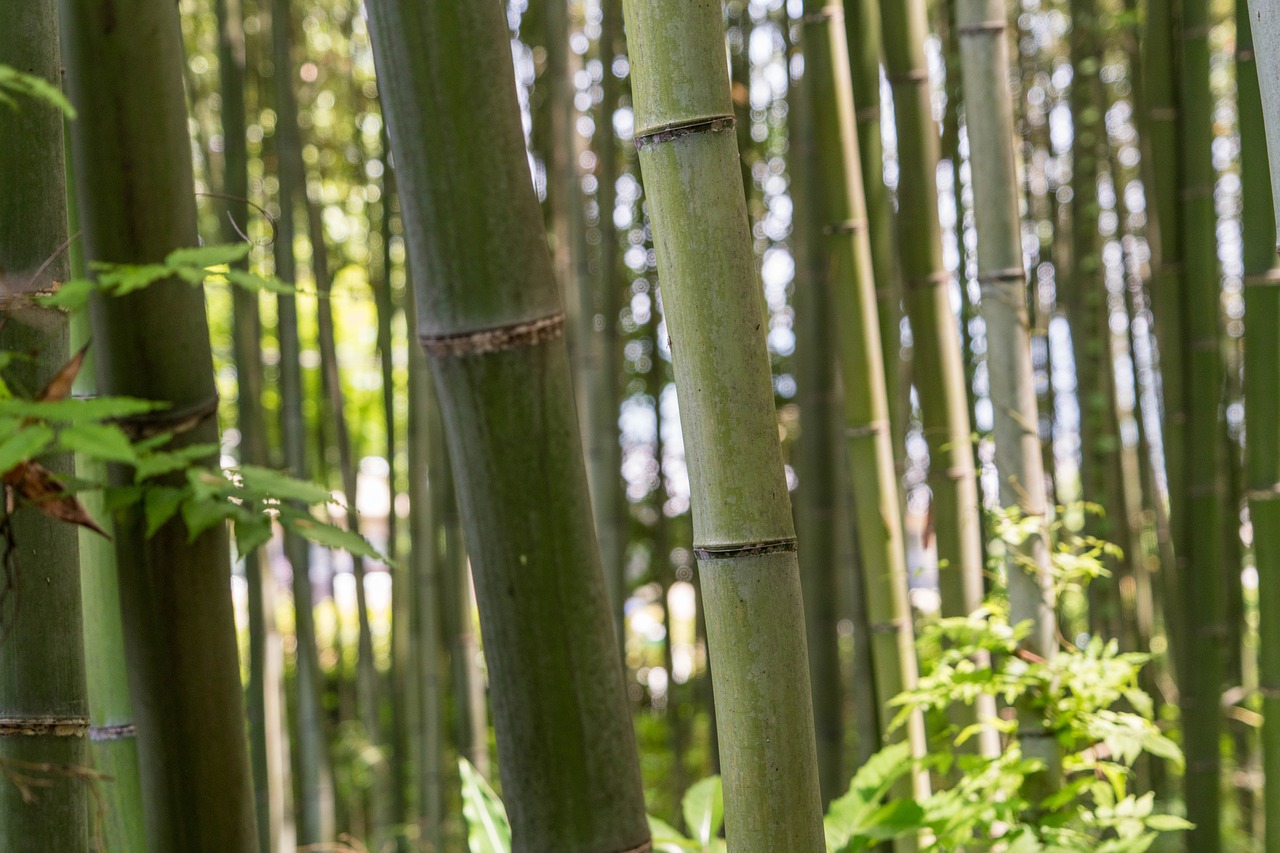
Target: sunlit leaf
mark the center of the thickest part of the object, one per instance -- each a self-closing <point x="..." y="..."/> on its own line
<point x="487" y="828"/>
<point x="79" y="411"/>
<point x="703" y="809"/>
<point x="269" y="483"/>
<point x="327" y="535"/>
<point x="208" y="256"/>
<point x="72" y="295"/>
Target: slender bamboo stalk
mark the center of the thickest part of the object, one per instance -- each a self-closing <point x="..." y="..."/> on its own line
<point x="1259" y="96"/>
<point x="44" y="712"/>
<point x="818" y="520"/>
<point x="939" y="373"/>
<point x="743" y="534"/>
<point x="847" y="278"/>
<point x="134" y="189"/>
<point x="315" y="804"/>
<point x="1200" y="544"/>
<point x="262" y="693"/>
<point x="862" y="28"/>
<point x="490" y="320"/>
<point x="993" y="158"/>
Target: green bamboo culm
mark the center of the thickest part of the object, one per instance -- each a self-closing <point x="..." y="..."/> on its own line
<point x="743" y="533"/>
<point x="43" y="706"/>
<point x="136" y="204"/>
<point x="1198" y="539"/>
<point x="993" y="158"/>
<point x="1258" y="75"/>
<point x="847" y="276"/>
<point x="490" y="320"/>
<point x="938" y="367"/>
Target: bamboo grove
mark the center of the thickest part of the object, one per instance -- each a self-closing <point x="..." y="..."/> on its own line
<point x="639" y="425"/>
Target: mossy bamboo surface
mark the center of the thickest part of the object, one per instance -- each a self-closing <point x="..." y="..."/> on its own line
<point x="1259" y="93"/>
<point x="310" y="751"/>
<point x="862" y="28"/>
<point x="43" y="706"/>
<point x="262" y="693"/>
<point x="845" y="275"/>
<point x="490" y="319"/>
<point x="743" y="533"/>
<point x="981" y="29"/>
<point x="938" y="371"/>
<point x="1199" y="543"/>
<point x="819" y="524"/>
<point x="134" y="190"/>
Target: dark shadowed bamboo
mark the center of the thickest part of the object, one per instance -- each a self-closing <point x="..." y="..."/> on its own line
<point x="490" y="320"/>
<point x="1198" y="540"/>
<point x="315" y="802"/>
<point x="1259" y="94"/>
<point x="937" y="363"/>
<point x="845" y="274"/>
<point x="134" y="191"/>
<point x="743" y="533"/>
<point x="262" y="693"/>
<point x="44" y="713"/>
<point x="818" y="519"/>
<point x="993" y="158"/>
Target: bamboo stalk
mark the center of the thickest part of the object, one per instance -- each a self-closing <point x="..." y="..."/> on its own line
<point x="134" y="180"/>
<point x="1259" y="95"/>
<point x="743" y="534"/>
<point x="44" y="712"/>
<point x="490" y="320"/>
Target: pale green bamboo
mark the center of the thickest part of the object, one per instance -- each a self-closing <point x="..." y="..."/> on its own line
<point x="262" y="693"/>
<point x="44" y="712"/>
<point x="743" y="534"/>
<point x="939" y="373"/>
<point x="1259" y="93"/>
<point x="315" y="800"/>
<point x="993" y="159"/>
<point x="490" y="319"/>
<point x="1198" y="539"/>
<point x="134" y="192"/>
<point x="847" y="277"/>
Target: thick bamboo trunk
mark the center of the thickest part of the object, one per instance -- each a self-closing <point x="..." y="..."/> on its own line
<point x="984" y="52"/>
<point x="490" y="320"/>
<point x="44" y="712"/>
<point x="743" y="533"/>
<point x="133" y="171"/>
<point x="1259" y="94"/>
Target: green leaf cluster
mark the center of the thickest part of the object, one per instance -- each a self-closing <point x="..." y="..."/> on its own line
<point x="15" y="85"/>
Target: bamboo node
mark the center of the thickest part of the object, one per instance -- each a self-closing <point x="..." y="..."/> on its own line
<point x="830" y="12"/>
<point x="43" y="726"/>
<point x="120" y="732"/>
<point x="675" y="130"/>
<point x="749" y="549"/>
<point x="1270" y="278"/>
<point x="177" y="421"/>
<point x="867" y="429"/>
<point x="1267" y="493"/>
<point x="513" y="336"/>
<point x="848" y="226"/>
<point x="865" y="114"/>
<point x="1193" y="193"/>
<point x="938" y="278"/>
<point x="1163" y="113"/>
<point x="1268" y="692"/>
<point x="888" y="626"/>
<point x="1008" y="274"/>
<point x="981" y="28"/>
<point x="913" y="76"/>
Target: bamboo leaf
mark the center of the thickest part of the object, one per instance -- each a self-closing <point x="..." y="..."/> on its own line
<point x="13" y="80"/>
<point x="667" y="840"/>
<point x="703" y="809"/>
<point x="104" y="442"/>
<point x="488" y="829"/>
<point x="208" y="256"/>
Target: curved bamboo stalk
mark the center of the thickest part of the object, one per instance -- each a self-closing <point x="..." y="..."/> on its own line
<point x="490" y="320"/>
<point x="743" y="534"/>
<point x="134" y="188"/>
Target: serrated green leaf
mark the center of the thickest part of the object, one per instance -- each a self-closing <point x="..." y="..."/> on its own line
<point x="103" y="442"/>
<point x="120" y="279"/>
<point x="254" y="283"/>
<point x="24" y="445"/>
<point x="167" y="461"/>
<point x="326" y="535"/>
<point x="203" y="515"/>
<point x="487" y="828"/>
<point x="208" y="256"/>
<point x="1168" y="823"/>
<point x="892" y="820"/>
<point x="72" y="295"/>
<point x="252" y="534"/>
<point x="277" y="485"/>
<point x="703" y="809"/>
<point x="78" y="411"/>
<point x="159" y="504"/>
<point x="116" y="498"/>
<point x="667" y="840"/>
